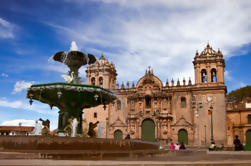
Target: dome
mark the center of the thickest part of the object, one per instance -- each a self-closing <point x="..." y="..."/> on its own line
<point x="149" y="78"/>
<point x="208" y="51"/>
<point x="103" y="60"/>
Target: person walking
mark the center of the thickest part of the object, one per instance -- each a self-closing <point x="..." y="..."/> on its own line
<point x="171" y="147"/>
<point x="177" y="146"/>
<point x="182" y="146"/>
<point x="237" y="144"/>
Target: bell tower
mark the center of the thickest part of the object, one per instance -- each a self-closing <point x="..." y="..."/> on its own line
<point x="101" y="73"/>
<point x="209" y="67"/>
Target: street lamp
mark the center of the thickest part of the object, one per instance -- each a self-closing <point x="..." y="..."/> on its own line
<point x="106" y="126"/>
<point x="209" y="99"/>
<point x="196" y="105"/>
<point x="157" y="124"/>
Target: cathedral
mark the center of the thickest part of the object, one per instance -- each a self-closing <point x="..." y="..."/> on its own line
<point x="193" y="113"/>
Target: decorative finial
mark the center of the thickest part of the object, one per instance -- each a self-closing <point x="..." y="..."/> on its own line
<point x="133" y="86"/>
<point x="122" y="85"/>
<point x="172" y="82"/>
<point x="208" y="46"/>
<point x="197" y="53"/>
<point x="189" y="82"/>
<point x="184" y="81"/>
<point x="219" y="50"/>
<point x="127" y="85"/>
<point x="178" y="82"/>
<point x="167" y="83"/>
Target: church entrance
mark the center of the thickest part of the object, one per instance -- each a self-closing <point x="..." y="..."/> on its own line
<point x="148" y="130"/>
<point x="248" y="138"/>
<point x="183" y="136"/>
<point x="118" y="134"/>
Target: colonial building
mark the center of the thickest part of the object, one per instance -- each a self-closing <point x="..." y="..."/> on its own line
<point x="177" y="111"/>
<point x="16" y="130"/>
<point x="239" y="121"/>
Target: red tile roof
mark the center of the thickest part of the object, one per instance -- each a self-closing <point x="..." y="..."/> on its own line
<point x="17" y="128"/>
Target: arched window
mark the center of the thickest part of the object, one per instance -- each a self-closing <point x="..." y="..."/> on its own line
<point x="213" y="75"/>
<point x="93" y="81"/>
<point x="249" y="119"/>
<point x="118" y="134"/>
<point x="148" y="130"/>
<point x="148" y="101"/>
<point x="183" y="102"/>
<point x="95" y="115"/>
<point x="203" y="76"/>
<point x="183" y="136"/>
<point x="118" y="104"/>
<point x="100" y="81"/>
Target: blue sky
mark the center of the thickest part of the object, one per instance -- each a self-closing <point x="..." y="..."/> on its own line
<point x="132" y="34"/>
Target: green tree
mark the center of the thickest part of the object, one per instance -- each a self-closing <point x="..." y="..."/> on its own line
<point x="239" y="94"/>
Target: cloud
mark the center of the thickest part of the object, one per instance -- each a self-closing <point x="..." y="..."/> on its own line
<point x="4" y="75"/>
<point x="13" y="104"/>
<point x="24" y="105"/>
<point x="16" y="122"/>
<point x="242" y="84"/>
<point x="43" y="110"/>
<point x="161" y="34"/>
<point x="21" y="85"/>
<point x="6" y="29"/>
<point x="228" y="76"/>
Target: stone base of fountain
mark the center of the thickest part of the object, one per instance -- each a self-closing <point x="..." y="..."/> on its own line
<point x="68" y="143"/>
<point x="53" y="147"/>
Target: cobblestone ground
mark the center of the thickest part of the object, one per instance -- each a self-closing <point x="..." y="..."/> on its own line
<point x="208" y="160"/>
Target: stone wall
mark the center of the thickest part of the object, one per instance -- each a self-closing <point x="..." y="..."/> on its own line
<point x="67" y="143"/>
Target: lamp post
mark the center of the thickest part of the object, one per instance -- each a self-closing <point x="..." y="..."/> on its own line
<point x="197" y="105"/>
<point x="106" y="127"/>
<point x="157" y="124"/>
<point x="157" y="131"/>
<point x="205" y="135"/>
<point x="209" y="99"/>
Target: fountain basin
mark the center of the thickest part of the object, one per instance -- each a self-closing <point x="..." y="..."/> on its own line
<point x="70" y="98"/>
<point x="60" y="94"/>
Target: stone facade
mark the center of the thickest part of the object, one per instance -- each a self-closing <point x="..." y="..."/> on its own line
<point x="239" y="121"/>
<point x="151" y="111"/>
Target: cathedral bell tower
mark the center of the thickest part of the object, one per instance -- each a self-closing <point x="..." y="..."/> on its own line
<point x="101" y="73"/>
<point x="209" y="67"/>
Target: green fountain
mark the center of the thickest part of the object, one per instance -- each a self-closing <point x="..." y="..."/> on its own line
<point x="71" y="97"/>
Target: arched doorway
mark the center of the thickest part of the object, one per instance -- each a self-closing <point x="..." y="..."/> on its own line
<point x="183" y="136"/>
<point x="118" y="134"/>
<point x="148" y="130"/>
<point x="248" y="138"/>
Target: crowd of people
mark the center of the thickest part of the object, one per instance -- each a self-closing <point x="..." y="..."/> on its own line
<point x="177" y="146"/>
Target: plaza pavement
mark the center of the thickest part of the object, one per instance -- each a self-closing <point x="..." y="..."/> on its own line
<point x="221" y="158"/>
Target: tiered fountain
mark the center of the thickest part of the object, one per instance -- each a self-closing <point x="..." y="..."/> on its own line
<point x="71" y="97"/>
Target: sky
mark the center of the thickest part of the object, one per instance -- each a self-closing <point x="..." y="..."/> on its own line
<point x="132" y="34"/>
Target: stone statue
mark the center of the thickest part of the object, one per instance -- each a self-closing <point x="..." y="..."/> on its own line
<point x="46" y="128"/>
<point x="68" y="128"/>
<point x="91" y="131"/>
<point x="38" y="129"/>
<point x="69" y="78"/>
<point x="74" y="125"/>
